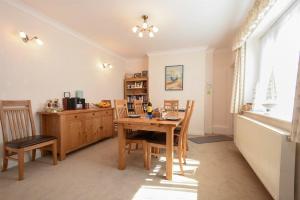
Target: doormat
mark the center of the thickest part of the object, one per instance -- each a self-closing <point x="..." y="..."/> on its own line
<point x="210" y="139"/>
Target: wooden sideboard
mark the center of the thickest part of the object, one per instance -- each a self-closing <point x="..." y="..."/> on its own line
<point x="77" y="128"/>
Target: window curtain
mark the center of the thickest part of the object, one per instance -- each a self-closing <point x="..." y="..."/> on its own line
<point x="256" y="14"/>
<point x="237" y="98"/>
<point x="295" y="133"/>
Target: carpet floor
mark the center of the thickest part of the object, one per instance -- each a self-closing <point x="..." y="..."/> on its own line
<point x="214" y="171"/>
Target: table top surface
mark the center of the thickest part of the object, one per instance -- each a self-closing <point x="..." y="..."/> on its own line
<point x="153" y="121"/>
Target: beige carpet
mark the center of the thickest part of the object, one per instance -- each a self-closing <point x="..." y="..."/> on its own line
<point x="214" y="171"/>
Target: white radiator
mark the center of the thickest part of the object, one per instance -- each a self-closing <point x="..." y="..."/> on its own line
<point x="269" y="154"/>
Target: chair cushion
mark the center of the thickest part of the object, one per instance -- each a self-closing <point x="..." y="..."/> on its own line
<point x="160" y="138"/>
<point x="29" y="141"/>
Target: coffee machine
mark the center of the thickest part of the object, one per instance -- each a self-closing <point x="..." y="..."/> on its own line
<point x="73" y="103"/>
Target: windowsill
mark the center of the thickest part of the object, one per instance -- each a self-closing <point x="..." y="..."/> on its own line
<point x="267" y="119"/>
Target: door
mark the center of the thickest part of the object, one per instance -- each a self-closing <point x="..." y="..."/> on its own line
<point x="74" y="132"/>
<point x="107" y="123"/>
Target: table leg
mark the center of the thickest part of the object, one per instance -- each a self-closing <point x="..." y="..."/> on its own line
<point x="169" y="153"/>
<point x="122" y="143"/>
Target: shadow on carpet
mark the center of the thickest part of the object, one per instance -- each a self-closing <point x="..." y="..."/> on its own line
<point x="210" y="139"/>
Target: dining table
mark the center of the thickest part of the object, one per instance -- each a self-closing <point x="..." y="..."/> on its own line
<point x="148" y="124"/>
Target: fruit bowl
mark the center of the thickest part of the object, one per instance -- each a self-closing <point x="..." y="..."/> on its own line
<point x="103" y="104"/>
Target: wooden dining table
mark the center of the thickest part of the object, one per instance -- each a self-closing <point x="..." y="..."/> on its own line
<point x="154" y="124"/>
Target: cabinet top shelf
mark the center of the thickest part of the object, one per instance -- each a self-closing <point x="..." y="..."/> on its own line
<point x="136" y="79"/>
<point x="66" y="112"/>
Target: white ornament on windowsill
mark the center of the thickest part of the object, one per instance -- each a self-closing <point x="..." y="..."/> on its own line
<point x="271" y="95"/>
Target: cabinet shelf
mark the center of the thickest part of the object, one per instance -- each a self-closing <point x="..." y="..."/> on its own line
<point x="138" y="90"/>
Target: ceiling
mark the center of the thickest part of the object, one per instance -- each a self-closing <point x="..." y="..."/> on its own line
<point x="181" y="23"/>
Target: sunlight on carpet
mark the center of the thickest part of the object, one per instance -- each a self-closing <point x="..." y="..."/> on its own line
<point x="181" y="187"/>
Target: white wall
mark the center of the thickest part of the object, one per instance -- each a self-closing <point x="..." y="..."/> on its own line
<point x="222" y="89"/>
<point x="66" y="61"/>
<point x="193" y="82"/>
<point x="136" y="65"/>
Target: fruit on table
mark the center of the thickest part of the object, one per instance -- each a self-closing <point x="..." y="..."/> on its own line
<point x="104" y="104"/>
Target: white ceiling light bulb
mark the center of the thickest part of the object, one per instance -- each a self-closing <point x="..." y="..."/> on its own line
<point x="145" y="25"/>
<point x="151" y="34"/>
<point x="23" y="34"/>
<point x="155" y="29"/>
<point x="135" y="29"/>
<point x="39" y="42"/>
<point x="141" y="34"/>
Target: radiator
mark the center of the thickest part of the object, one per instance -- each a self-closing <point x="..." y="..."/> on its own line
<point x="269" y="154"/>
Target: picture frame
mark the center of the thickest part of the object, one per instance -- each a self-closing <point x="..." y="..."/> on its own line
<point x="174" y="77"/>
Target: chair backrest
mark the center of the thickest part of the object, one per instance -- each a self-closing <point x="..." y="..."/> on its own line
<point x="171" y="105"/>
<point x="121" y="108"/>
<point x="138" y="107"/>
<point x="16" y="120"/>
<point x="186" y="122"/>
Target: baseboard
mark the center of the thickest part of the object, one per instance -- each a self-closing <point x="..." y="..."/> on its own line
<point x="196" y="133"/>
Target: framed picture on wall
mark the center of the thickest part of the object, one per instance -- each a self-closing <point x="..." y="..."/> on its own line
<point x="174" y="77"/>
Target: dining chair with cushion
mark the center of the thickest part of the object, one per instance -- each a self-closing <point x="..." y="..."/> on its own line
<point x="159" y="140"/>
<point x="132" y="136"/>
<point x="171" y="107"/>
<point x="19" y="134"/>
<point x="138" y="107"/>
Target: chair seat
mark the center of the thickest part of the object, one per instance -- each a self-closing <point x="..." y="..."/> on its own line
<point x="139" y="135"/>
<point x="29" y="141"/>
<point x="177" y="130"/>
<point x="160" y="138"/>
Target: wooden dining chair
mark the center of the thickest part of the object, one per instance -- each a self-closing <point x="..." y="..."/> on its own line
<point x="138" y="107"/>
<point x="19" y="134"/>
<point x="179" y="141"/>
<point x="171" y="107"/>
<point x="132" y="136"/>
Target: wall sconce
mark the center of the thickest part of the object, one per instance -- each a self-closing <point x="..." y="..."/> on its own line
<point x="26" y="38"/>
<point x="106" y="66"/>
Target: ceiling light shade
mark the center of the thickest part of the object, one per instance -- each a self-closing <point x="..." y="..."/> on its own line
<point x="26" y="38"/>
<point x="22" y="35"/>
<point x="145" y="25"/>
<point x="135" y="29"/>
<point x="106" y="66"/>
<point x="145" y="28"/>
<point x="155" y="29"/>
<point x="39" y="42"/>
<point x="151" y="34"/>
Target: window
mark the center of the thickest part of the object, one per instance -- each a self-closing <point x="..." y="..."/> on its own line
<point x="278" y="66"/>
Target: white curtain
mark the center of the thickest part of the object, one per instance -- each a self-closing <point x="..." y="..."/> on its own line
<point x="237" y="98"/>
<point x="254" y="17"/>
<point x="295" y="133"/>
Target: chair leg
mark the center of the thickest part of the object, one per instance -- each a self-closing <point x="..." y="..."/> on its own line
<point x="129" y="148"/>
<point x="145" y="149"/>
<point x="54" y="153"/>
<point x="149" y="156"/>
<point x="21" y="164"/>
<point x="5" y="161"/>
<point x="179" y="152"/>
<point x="33" y="155"/>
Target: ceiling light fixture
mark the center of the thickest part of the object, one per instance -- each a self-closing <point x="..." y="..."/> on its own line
<point x="106" y="66"/>
<point x="145" y="28"/>
<point x="26" y="38"/>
